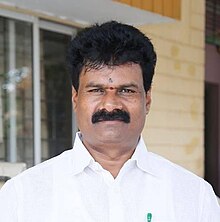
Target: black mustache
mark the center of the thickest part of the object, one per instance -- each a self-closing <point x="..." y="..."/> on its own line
<point x="116" y="114"/>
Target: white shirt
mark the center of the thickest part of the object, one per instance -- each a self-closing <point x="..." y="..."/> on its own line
<point x="72" y="187"/>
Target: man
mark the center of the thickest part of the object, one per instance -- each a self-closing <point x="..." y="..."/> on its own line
<point x="109" y="176"/>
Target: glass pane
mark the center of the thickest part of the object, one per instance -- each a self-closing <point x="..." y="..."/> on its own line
<point x="56" y="107"/>
<point x="16" y="111"/>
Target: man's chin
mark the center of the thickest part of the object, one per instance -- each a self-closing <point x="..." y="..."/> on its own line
<point x="112" y="131"/>
<point x="115" y="127"/>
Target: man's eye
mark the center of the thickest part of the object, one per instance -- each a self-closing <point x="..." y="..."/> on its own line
<point x="96" y="90"/>
<point x="126" y="91"/>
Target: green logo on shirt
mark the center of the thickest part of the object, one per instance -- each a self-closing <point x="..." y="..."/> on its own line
<point x="149" y="217"/>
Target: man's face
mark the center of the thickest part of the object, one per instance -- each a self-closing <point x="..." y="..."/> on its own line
<point x="111" y="105"/>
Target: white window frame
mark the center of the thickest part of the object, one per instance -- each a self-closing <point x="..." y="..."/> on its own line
<point x="37" y="25"/>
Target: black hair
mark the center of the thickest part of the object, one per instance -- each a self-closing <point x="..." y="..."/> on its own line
<point x="111" y="44"/>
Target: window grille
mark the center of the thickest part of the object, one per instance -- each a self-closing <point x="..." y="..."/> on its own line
<point x="213" y="22"/>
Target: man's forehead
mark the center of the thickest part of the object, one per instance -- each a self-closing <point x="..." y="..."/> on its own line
<point x="124" y="70"/>
<point x="127" y="74"/>
<point x="99" y="68"/>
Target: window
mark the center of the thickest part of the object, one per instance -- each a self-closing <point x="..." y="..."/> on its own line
<point x="20" y="45"/>
<point x="16" y="120"/>
<point x="213" y="22"/>
<point x="56" y="106"/>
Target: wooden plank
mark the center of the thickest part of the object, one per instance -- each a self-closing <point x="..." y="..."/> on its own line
<point x="168" y="7"/>
<point x="158" y="6"/>
<point x="136" y="3"/>
<point x="147" y="5"/>
<point x="177" y="9"/>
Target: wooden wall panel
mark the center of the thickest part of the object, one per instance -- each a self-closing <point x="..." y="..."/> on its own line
<point x="148" y="5"/>
<point x="158" y="6"/>
<point x="136" y="3"/>
<point x="177" y="9"/>
<point x="170" y="8"/>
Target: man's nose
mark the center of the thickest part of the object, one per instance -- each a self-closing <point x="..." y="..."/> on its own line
<point x="111" y="101"/>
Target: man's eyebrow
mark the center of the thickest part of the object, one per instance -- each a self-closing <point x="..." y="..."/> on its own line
<point x="127" y="85"/>
<point x="92" y="84"/>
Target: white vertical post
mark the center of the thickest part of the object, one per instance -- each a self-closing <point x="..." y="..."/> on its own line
<point x="12" y="146"/>
<point x="36" y="92"/>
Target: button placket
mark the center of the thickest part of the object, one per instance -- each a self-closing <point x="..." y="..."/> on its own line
<point x="116" y="212"/>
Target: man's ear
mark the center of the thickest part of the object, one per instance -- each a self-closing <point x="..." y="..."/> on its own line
<point x="74" y="98"/>
<point x="148" y="100"/>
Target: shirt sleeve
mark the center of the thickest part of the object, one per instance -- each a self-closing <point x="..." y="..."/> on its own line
<point x="8" y="202"/>
<point x="210" y="210"/>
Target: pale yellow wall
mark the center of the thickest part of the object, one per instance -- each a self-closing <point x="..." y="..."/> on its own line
<point x="174" y="127"/>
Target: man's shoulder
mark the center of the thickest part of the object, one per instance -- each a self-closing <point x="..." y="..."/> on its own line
<point x="168" y="169"/>
<point x="46" y="170"/>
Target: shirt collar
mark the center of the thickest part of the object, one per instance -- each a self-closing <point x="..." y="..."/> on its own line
<point x="82" y="158"/>
<point x="143" y="158"/>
